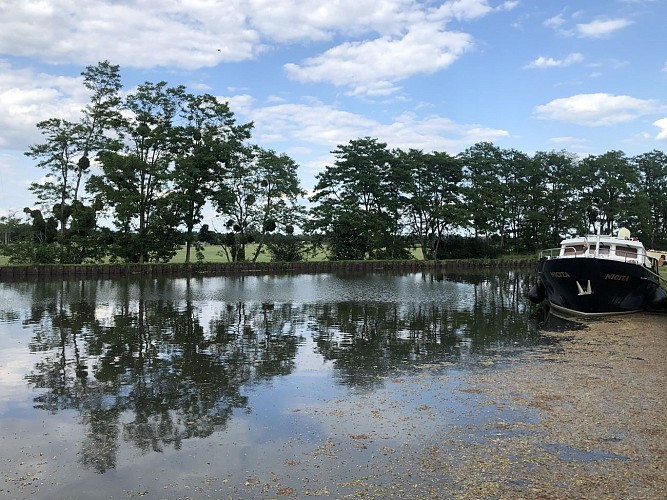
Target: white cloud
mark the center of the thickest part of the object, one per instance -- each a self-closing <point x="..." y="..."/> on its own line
<point x="296" y="20"/>
<point x="509" y="5"/>
<point x="192" y="34"/>
<point x="319" y="124"/>
<point x="373" y="66"/>
<point x="598" y="109"/>
<point x="135" y="33"/>
<point x="601" y="28"/>
<point x="28" y="97"/>
<point x="662" y="125"/>
<point x="555" y="22"/>
<point x="549" y="62"/>
<point x="463" y="10"/>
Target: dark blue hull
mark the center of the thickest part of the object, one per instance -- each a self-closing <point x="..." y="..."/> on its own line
<point x="593" y="286"/>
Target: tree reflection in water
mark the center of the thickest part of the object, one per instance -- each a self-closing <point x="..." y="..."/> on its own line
<point x="153" y="362"/>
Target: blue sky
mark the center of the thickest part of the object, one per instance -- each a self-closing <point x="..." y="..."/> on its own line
<point x="586" y="76"/>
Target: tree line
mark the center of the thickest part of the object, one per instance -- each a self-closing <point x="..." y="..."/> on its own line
<point x="149" y="161"/>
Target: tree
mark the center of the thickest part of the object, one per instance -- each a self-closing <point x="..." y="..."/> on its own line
<point x="516" y="176"/>
<point x="614" y="185"/>
<point x="135" y="178"/>
<point x="562" y="183"/>
<point x="652" y="169"/>
<point x="534" y="230"/>
<point x="206" y="142"/>
<point x="69" y="145"/>
<point x="432" y="197"/>
<point x="257" y="193"/>
<point x="484" y="192"/>
<point x="278" y="192"/>
<point x="11" y="228"/>
<point x="357" y="201"/>
<point x="58" y="155"/>
<point x="234" y="197"/>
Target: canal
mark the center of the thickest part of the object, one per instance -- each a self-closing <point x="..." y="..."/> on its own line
<point x="260" y="386"/>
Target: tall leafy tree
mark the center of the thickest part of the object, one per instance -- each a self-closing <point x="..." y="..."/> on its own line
<point x="234" y="197"/>
<point x="484" y="191"/>
<point x="432" y="196"/>
<point x="135" y="179"/>
<point x="613" y="189"/>
<point x="356" y="202"/>
<point x="278" y="193"/>
<point x="534" y="231"/>
<point x="258" y="192"/>
<point x="516" y="178"/>
<point x="562" y="176"/>
<point x="68" y="147"/>
<point x="206" y="142"/>
<point x="59" y="155"/>
<point x="652" y="170"/>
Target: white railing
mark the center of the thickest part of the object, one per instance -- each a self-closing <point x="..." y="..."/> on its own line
<point x="621" y="255"/>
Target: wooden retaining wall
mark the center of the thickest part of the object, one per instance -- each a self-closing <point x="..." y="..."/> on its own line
<point x="90" y="271"/>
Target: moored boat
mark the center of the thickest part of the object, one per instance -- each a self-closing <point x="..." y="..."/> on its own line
<point x="598" y="275"/>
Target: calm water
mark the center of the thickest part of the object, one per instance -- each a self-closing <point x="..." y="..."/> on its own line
<point x="244" y="386"/>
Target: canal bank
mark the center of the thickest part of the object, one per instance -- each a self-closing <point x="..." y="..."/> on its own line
<point x="84" y="271"/>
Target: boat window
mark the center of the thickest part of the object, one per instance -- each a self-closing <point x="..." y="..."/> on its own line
<point x="604" y="249"/>
<point x="574" y="250"/>
<point x="627" y="252"/>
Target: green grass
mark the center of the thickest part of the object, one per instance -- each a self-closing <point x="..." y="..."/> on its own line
<point x="215" y="254"/>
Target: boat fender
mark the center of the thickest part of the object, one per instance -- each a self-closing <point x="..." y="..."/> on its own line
<point x="536" y="293"/>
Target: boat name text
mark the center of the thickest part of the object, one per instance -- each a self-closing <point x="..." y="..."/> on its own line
<point x="559" y="274"/>
<point x="617" y="277"/>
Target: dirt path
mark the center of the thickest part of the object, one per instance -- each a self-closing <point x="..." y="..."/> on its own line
<point x="600" y="418"/>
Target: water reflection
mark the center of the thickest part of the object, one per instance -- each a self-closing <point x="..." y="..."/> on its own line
<point x="154" y="362"/>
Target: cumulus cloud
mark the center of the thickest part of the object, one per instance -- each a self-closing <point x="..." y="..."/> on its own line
<point x="28" y="97"/>
<point x="662" y="125"/>
<point x="549" y="62"/>
<point x="373" y="66"/>
<point x="188" y="34"/>
<point x="316" y="123"/>
<point x="601" y="28"/>
<point x="598" y="109"/>
<point x="192" y="34"/>
<point x="462" y="10"/>
<point x="297" y="20"/>
<point x="598" y="28"/>
<point x="371" y="44"/>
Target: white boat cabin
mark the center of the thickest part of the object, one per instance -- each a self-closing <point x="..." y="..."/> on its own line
<point x="621" y="248"/>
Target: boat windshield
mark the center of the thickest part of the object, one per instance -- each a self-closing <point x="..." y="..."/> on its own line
<point x="626" y="252"/>
<point x="604" y="249"/>
<point x="572" y="250"/>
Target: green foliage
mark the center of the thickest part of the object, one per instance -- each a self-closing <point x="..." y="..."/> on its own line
<point x="30" y="252"/>
<point x="432" y="195"/>
<point x="358" y="202"/>
<point x="460" y="247"/>
<point x="286" y="248"/>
